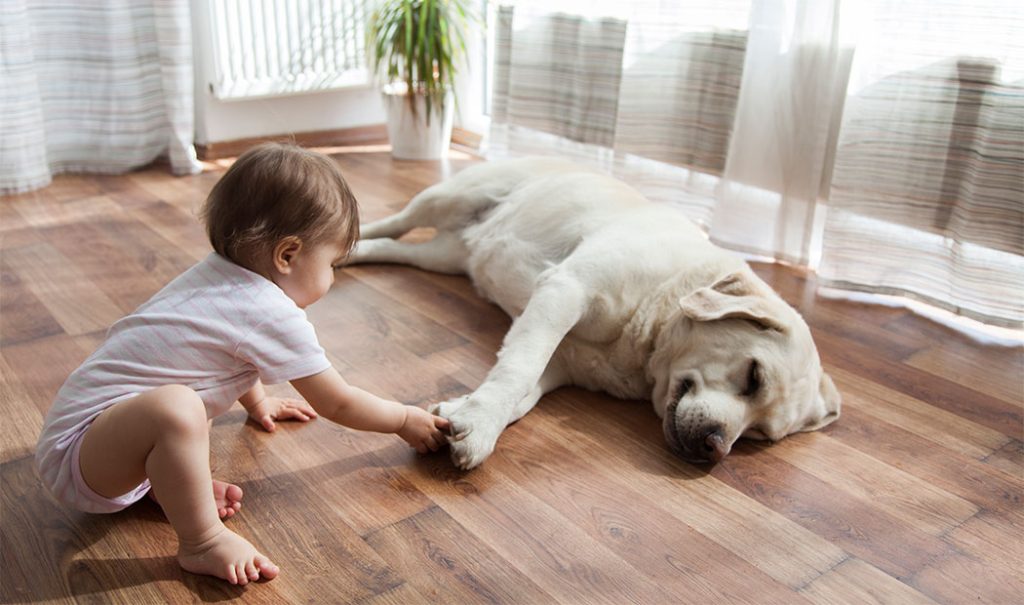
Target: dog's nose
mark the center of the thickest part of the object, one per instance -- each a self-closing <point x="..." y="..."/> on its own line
<point x="714" y="447"/>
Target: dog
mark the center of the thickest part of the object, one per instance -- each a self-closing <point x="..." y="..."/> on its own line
<point x="614" y="293"/>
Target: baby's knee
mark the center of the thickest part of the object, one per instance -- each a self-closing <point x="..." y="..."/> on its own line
<point x="178" y="409"/>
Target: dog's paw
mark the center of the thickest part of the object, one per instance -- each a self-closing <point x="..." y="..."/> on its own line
<point x="446" y="408"/>
<point x="469" y="452"/>
<point x="474" y="431"/>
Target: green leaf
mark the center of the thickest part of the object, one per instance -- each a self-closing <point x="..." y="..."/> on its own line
<point x="411" y="40"/>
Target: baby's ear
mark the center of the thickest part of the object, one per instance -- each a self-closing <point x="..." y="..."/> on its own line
<point x="285" y="252"/>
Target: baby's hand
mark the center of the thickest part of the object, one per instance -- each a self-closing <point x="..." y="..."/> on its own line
<point x="270" y="409"/>
<point x="422" y="430"/>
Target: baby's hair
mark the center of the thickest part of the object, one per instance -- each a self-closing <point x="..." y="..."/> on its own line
<point x="274" y="191"/>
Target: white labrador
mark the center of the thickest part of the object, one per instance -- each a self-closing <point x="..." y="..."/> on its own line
<point x="613" y="293"/>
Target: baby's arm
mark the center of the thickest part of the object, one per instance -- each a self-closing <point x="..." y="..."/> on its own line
<point x="353" y="407"/>
<point x="265" y="410"/>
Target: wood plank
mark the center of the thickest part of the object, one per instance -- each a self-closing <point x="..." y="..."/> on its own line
<point x="94" y="250"/>
<point x="22" y="421"/>
<point x="184" y="193"/>
<point x="971" y="480"/>
<point x="177" y="226"/>
<point x="448" y="300"/>
<point x="915" y="502"/>
<point x="854" y="525"/>
<point x="999" y="375"/>
<point x="432" y="550"/>
<point x="74" y="301"/>
<point x="855" y="582"/>
<point x="67" y="212"/>
<point x="42" y="365"/>
<point x="940" y="392"/>
<point x="536" y="539"/>
<point x="14" y="229"/>
<point x="403" y="594"/>
<point x="661" y="546"/>
<point x="52" y="554"/>
<point x="146" y="251"/>
<point x="23" y="316"/>
<point x="63" y="188"/>
<point x="991" y="538"/>
<point x="959" y="578"/>
<point x="396" y="324"/>
<point x="1009" y="458"/>
<point x="719" y="512"/>
<point x="318" y="555"/>
<point x="913" y="415"/>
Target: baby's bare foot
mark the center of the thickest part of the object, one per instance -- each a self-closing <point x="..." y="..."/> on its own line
<point x="226" y="555"/>
<point x="227" y="497"/>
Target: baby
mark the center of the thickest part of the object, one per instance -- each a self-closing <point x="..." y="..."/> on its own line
<point x="135" y="416"/>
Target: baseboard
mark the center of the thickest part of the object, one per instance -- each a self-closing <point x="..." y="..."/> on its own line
<point x="343" y="137"/>
<point x="361" y="135"/>
<point x="466" y="139"/>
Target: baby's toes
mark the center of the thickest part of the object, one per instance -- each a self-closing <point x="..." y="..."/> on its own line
<point x="251" y="571"/>
<point x="267" y="569"/>
<point x="233" y="493"/>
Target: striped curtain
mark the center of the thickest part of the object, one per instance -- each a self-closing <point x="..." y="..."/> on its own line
<point x="93" y="86"/>
<point x="927" y="197"/>
<point x="879" y="141"/>
<point x="645" y="89"/>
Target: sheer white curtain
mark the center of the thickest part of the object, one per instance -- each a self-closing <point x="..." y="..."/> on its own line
<point x="927" y="196"/>
<point x="93" y="86"/>
<point x="757" y="116"/>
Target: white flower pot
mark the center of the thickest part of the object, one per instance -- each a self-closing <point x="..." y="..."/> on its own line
<point x="410" y="135"/>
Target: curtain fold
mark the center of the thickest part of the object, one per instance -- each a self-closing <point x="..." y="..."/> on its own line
<point x="794" y="78"/>
<point x="880" y="141"/>
<point x="93" y="87"/>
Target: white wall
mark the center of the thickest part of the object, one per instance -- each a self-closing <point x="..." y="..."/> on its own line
<point x="218" y="121"/>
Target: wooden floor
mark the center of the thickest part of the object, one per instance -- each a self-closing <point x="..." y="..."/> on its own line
<point x="914" y="495"/>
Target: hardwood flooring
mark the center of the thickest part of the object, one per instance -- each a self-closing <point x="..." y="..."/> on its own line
<point x="913" y="496"/>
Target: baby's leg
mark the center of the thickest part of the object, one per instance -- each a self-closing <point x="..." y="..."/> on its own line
<point x="163" y="435"/>
<point x="226" y="496"/>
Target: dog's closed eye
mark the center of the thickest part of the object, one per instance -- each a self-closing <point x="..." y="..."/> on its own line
<point x="754" y="380"/>
<point x="685" y="386"/>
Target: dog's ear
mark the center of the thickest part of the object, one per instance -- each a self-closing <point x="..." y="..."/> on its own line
<point x="828" y="402"/>
<point x="737" y="295"/>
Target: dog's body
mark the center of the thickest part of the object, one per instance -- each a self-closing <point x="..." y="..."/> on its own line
<point x="612" y="293"/>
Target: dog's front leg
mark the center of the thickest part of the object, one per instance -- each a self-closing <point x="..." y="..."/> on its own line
<point x="477" y="420"/>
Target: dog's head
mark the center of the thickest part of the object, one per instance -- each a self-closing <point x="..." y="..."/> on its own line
<point x="737" y="361"/>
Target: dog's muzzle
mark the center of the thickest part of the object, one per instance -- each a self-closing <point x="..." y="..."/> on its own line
<point x="702" y="444"/>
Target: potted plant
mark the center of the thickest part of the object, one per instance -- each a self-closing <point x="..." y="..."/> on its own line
<point x="414" y="48"/>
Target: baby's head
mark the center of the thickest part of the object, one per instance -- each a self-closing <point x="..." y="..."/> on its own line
<point x="281" y="211"/>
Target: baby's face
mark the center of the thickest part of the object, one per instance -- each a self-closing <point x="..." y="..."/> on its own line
<point x="312" y="273"/>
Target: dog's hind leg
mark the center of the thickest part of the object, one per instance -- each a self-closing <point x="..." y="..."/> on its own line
<point x="395" y="225"/>
<point x="446" y="253"/>
<point x="446" y="206"/>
